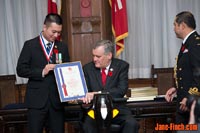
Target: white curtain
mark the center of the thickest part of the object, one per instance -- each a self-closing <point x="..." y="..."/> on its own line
<point x="20" y="20"/>
<point x="151" y="37"/>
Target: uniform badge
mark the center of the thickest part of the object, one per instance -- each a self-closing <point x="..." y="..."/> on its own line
<point x="194" y="91"/>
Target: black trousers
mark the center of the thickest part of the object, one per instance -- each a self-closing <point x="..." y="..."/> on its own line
<point x="182" y="117"/>
<point x="127" y="123"/>
<point x="47" y="116"/>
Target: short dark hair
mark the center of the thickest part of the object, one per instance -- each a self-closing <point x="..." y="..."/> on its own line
<point x="186" y="17"/>
<point x="53" y="18"/>
<point x="108" y="46"/>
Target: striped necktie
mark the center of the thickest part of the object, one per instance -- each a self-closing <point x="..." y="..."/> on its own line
<point x="49" y="45"/>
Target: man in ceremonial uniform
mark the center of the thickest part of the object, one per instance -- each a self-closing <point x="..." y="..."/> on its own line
<point x="36" y="62"/>
<point x="187" y="69"/>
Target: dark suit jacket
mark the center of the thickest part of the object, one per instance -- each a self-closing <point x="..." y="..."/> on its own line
<point x="30" y="65"/>
<point x="188" y="67"/>
<point x="116" y="82"/>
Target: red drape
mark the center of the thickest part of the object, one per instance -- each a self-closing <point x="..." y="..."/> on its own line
<point x="119" y="23"/>
<point x="52" y="6"/>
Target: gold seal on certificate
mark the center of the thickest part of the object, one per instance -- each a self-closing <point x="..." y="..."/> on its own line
<point x="70" y="81"/>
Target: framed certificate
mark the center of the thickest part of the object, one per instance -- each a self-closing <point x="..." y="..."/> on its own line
<point x="70" y="81"/>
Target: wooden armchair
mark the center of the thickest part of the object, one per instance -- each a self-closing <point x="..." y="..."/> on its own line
<point x="163" y="78"/>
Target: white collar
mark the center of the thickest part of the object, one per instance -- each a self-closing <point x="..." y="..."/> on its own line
<point x="45" y="40"/>
<point x="184" y="40"/>
<point x="107" y="68"/>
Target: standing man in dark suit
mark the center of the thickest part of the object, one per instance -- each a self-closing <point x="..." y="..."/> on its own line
<point x="187" y="69"/>
<point x="36" y="62"/>
<point x="116" y="84"/>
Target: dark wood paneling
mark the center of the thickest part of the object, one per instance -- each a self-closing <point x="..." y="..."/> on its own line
<point x="20" y="93"/>
<point x="7" y="90"/>
<point x="81" y="31"/>
<point x="165" y="79"/>
<point x="97" y="7"/>
<point x="140" y="82"/>
<point x="75" y="7"/>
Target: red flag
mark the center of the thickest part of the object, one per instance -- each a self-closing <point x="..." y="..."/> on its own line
<point x="52" y="6"/>
<point x="119" y="23"/>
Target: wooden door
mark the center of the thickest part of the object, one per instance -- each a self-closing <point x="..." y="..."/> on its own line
<point x="85" y="22"/>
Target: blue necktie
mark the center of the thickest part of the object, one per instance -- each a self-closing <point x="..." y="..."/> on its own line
<point x="49" y="45"/>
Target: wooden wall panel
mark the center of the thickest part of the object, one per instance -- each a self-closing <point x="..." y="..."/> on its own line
<point x="75" y="7"/>
<point x="97" y="7"/>
<point x="20" y="93"/>
<point x="83" y="43"/>
<point x="165" y="78"/>
<point x="7" y="90"/>
<point x="85" y="23"/>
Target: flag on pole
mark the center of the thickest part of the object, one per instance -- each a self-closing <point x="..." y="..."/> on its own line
<point x="54" y="6"/>
<point x="119" y="23"/>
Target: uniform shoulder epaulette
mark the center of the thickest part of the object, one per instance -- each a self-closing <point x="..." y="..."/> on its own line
<point x="194" y="91"/>
<point x="197" y="38"/>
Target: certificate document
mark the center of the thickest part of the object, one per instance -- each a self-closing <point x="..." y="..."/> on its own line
<point x="70" y="81"/>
